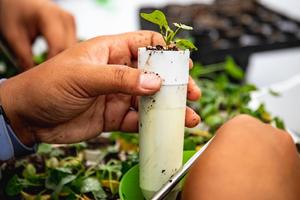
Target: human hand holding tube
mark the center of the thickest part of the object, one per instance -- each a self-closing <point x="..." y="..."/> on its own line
<point x="83" y="91"/>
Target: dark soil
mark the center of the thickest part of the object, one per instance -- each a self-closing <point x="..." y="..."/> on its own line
<point x="163" y="48"/>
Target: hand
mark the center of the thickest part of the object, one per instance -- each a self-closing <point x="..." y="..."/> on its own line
<point x="21" y="21"/>
<point x="246" y="160"/>
<point x="83" y="91"/>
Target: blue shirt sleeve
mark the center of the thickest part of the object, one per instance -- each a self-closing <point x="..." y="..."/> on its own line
<point x="19" y="148"/>
<point x="10" y="145"/>
<point x="7" y="150"/>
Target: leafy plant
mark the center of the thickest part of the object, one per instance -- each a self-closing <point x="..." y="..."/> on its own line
<point x="158" y="17"/>
<point x="222" y="98"/>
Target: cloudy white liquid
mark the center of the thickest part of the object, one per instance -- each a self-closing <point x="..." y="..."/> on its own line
<point x="161" y="128"/>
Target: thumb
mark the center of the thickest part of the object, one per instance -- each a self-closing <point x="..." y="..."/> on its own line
<point x="118" y="78"/>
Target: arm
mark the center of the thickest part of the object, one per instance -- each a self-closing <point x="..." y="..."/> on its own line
<point x="246" y="160"/>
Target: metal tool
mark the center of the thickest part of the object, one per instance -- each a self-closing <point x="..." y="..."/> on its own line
<point x="175" y="179"/>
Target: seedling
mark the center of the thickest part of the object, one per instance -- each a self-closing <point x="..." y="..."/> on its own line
<point x="158" y="17"/>
<point x="162" y="115"/>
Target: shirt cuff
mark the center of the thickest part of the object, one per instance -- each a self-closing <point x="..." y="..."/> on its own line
<point x="10" y="144"/>
<point x="19" y="148"/>
<point x="7" y="150"/>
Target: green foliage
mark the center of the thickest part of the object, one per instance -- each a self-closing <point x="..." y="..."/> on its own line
<point x="14" y="186"/>
<point x="40" y="58"/>
<point x="47" y="149"/>
<point x="64" y="173"/>
<point x="232" y="69"/>
<point x="222" y="98"/>
<point x="158" y="17"/>
<point x="279" y="123"/>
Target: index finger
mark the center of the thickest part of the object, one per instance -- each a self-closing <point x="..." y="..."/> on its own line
<point x="124" y="47"/>
<point x="144" y="39"/>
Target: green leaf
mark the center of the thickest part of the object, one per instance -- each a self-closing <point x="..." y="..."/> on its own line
<point x="14" y="186"/>
<point x="99" y="194"/>
<point x="156" y="17"/>
<point x="214" y="120"/>
<point x="90" y="184"/>
<point x="279" y="123"/>
<point x="56" y="176"/>
<point x="79" y="146"/>
<point x="48" y="149"/>
<point x="232" y="69"/>
<point x="44" y="148"/>
<point x="196" y="71"/>
<point x="40" y="58"/>
<point x="183" y="26"/>
<point x="189" y="144"/>
<point x="67" y="179"/>
<point x="185" y="44"/>
<point x="208" y="110"/>
<point x="61" y="186"/>
<point x="29" y="172"/>
<point x="274" y="93"/>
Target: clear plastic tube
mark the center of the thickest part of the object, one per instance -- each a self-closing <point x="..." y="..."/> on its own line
<point x="161" y="128"/>
<point x="162" y="118"/>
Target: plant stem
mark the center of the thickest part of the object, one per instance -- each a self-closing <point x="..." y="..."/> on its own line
<point x="176" y="31"/>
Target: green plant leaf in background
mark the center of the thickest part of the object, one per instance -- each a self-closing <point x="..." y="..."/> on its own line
<point x="14" y="186"/>
<point x="232" y="69"/>
<point x="90" y="184"/>
<point x="279" y="123"/>
<point x="29" y="172"/>
<point x="214" y="120"/>
<point x="185" y="44"/>
<point x="48" y="149"/>
<point x="40" y="58"/>
<point x="93" y="185"/>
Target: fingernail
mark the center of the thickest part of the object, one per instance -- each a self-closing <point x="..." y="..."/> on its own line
<point x="150" y="81"/>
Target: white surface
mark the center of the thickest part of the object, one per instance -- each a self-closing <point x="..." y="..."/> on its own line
<point x="286" y="106"/>
<point x="115" y="17"/>
<point x="273" y="66"/>
<point x="288" y="7"/>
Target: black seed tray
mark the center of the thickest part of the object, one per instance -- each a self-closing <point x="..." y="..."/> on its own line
<point x="232" y="27"/>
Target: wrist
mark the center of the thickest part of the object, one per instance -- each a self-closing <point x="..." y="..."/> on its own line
<point x="9" y="106"/>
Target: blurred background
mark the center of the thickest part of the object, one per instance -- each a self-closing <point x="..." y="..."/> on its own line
<point x="262" y="36"/>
